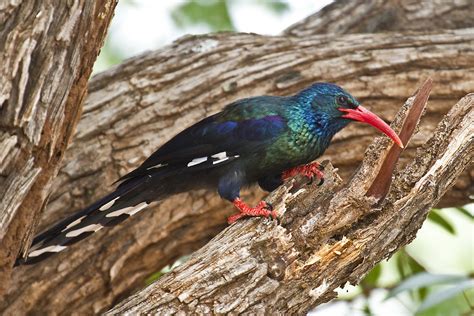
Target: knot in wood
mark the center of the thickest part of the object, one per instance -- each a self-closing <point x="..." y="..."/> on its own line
<point x="276" y="269"/>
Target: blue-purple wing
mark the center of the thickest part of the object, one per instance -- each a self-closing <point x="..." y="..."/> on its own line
<point x="214" y="141"/>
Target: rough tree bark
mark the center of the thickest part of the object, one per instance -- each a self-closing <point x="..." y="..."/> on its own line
<point x="47" y="51"/>
<point x="328" y="236"/>
<point x="182" y="83"/>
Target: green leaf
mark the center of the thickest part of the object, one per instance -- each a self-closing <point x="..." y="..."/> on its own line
<point x="422" y="292"/>
<point x="415" y="267"/>
<point x="366" y="309"/>
<point x="465" y="212"/>
<point x="152" y="278"/>
<point x="425" y="279"/>
<point x="407" y="265"/>
<point x="372" y="277"/>
<point x="445" y="294"/>
<point x="439" y="220"/>
<point x="400" y="264"/>
<point x="278" y="7"/>
<point x="214" y="14"/>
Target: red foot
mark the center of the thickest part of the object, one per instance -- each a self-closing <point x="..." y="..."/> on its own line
<point x="261" y="209"/>
<point x="310" y="171"/>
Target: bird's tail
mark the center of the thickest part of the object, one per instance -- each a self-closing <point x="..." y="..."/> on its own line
<point x="112" y="209"/>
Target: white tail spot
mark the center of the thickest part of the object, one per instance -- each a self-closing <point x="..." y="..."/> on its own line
<point x="220" y="160"/>
<point x="220" y="155"/>
<point x="77" y="221"/>
<point x="197" y="161"/>
<point x="54" y="248"/>
<point x="108" y="205"/>
<point x="156" y="166"/>
<point x="131" y="210"/>
<point x="89" y="228"/>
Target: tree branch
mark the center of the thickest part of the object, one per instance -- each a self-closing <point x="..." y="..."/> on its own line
<point x="381" y="184"/>
<point x="326" y="239"/>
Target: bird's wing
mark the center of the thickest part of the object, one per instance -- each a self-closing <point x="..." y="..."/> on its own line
<point x="215" y="141"/>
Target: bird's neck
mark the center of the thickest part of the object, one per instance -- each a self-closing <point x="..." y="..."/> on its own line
<point x="317" y="124"/>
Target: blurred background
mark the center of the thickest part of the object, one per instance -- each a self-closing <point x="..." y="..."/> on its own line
<point x="431" y="276"/>
<point x="141" y="25"/>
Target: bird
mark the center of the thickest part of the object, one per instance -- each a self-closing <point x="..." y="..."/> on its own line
<point x="263" y="139"/>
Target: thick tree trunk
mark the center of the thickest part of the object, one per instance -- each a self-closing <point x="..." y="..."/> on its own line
<point x="329" y="235"/>
<point x="47" y="50"/>
<point x="135" y="107"/>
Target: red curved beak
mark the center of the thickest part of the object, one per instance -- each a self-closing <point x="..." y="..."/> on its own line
<point x="361" y="114"/>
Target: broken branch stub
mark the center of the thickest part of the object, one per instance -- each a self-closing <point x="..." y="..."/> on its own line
<point x="329" y="235"/>
<point x="381" y="184"/>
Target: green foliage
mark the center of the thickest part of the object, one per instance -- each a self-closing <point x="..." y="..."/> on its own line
<point x="465" y="212"/>
<point x="107" y="58"/>
<point x="407" y="265"/>
<point x="436" y="217"/>
<point x="372" y="277"/>
<point x="278" y="7"/>
<point x="154" y="277"/>
<point x="443" y="295"/>
<point x="214" y="14"/>
<point x="424" y="280"/>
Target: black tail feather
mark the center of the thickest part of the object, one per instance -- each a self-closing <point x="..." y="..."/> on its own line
<point x="108" y="211"/>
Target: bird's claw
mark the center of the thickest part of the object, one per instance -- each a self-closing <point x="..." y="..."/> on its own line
<point x="310" y="171"/>
<point x="263" y="209"/>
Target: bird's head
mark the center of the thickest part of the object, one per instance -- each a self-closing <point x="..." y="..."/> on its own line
<point x="340" y="107"/>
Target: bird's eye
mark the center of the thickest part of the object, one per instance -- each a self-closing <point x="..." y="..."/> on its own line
<point x="342" y="100"/>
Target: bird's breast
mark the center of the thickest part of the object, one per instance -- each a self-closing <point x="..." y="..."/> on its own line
<point x="302" y="143"/>
<point x="288" y="151"/>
